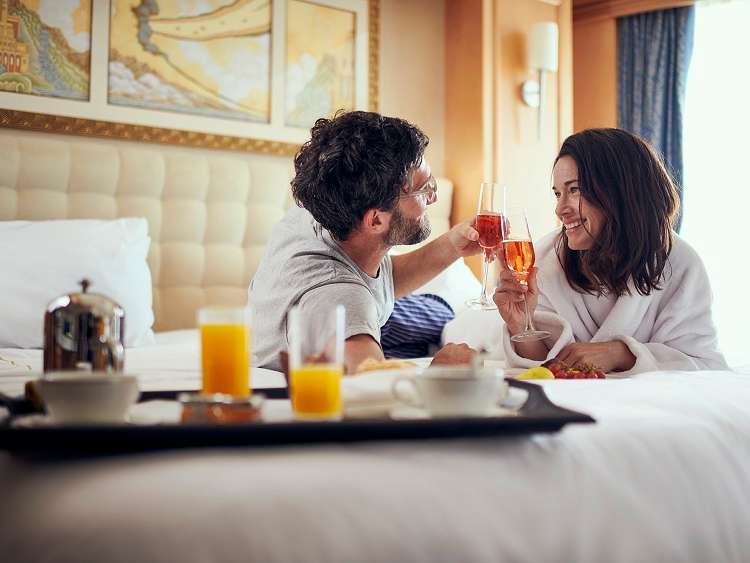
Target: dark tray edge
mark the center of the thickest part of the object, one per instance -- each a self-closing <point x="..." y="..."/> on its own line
<point x="538" y="414"/>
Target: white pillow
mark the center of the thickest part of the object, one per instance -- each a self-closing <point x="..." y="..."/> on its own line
<point x="46" y="259"/>
<point x="456" y="284"/>
<point x="482" y="330"/>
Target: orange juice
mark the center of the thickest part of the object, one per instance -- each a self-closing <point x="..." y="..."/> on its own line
<point x="225" y="359"/>
<point x="316" y="390"/>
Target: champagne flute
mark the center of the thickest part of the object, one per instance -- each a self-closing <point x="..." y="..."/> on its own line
<point x="519" y="256"/>
<point x="487" y="223"/>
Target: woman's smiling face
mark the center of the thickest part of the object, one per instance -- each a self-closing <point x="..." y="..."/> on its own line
<point x="582" y="221"/>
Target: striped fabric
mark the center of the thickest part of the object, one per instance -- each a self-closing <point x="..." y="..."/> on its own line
<point x="413" y="330"/>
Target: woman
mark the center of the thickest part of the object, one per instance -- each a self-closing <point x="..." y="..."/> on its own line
<point x="616" y="287"/>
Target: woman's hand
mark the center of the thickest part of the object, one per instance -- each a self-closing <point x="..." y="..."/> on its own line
<point x="509" y="295"/>
<point x="613" y="355"/>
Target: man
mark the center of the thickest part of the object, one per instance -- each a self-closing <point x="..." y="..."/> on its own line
<point x="362" y="186"/>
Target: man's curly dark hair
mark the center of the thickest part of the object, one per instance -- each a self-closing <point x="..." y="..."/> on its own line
<point x="354" y="162"/>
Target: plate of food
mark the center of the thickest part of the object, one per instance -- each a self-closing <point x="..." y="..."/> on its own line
<point x="371" y="364"/>
<point x="554" y="369"/>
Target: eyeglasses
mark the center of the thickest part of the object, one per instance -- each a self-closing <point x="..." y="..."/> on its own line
<point x="428" y="188"/>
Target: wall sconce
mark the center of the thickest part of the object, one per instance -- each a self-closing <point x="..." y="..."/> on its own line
<point x="543" y="39"/>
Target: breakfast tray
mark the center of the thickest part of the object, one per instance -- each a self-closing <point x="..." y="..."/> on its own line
<point x="538" y="414"/>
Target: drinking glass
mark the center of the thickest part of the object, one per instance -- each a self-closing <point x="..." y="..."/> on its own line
<point x="225" y="350"/>
<point x="487" y="223"/>
<point x="519" y="256"/>
<point x="316" y="362"/>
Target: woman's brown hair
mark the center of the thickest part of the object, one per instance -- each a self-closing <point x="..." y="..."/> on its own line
<point x="622" y="176"/>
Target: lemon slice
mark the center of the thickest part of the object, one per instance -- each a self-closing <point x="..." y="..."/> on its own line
<point x="536" y="373"/>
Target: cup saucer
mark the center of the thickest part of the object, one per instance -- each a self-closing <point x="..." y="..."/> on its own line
<point x="405" y="412"/>
<point x="31" y="421"/>
<point x="46" y="421"/>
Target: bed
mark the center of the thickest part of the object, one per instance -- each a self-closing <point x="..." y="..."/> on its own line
<point x="661" y="476"/>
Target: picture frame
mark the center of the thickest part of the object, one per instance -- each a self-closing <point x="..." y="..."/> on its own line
<point x="102" y="116"/>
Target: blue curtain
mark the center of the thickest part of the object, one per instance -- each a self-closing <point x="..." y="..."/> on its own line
<point x="654" y="51"/>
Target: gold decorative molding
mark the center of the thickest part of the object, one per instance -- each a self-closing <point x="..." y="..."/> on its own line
<point x="48" y="123"/>
<point x="374" y="53"/>
<point x="594" y="10"/>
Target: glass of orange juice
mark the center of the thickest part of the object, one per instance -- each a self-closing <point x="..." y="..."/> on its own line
<point x="316" y="362"/>
<point x="225" y="349"/>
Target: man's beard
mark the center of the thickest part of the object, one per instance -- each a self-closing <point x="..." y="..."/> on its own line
<point x="406" y="231"/>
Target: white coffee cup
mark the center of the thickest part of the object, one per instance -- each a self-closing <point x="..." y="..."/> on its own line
<point x="90" y="397"/>
<point x="452" y="391"/>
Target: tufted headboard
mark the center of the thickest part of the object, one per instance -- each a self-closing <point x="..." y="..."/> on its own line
<point x="209" y="213"/>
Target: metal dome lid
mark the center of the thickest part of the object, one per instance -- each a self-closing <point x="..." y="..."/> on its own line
<point x="85" y="303"/>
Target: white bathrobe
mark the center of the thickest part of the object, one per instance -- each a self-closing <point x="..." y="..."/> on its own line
<point x="670" y="329"/>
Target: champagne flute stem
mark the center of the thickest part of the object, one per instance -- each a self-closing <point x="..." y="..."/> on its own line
<point x="528" y="327"/>
<point x="485" y="276"/>
<point x="529" y="320"/>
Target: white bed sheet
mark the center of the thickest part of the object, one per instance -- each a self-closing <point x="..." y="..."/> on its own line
<point x="662" y="476"/>
<point x="171" y="363"/>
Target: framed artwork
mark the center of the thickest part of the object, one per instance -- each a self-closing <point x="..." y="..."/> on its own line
<point x="179" y="57"/>
<point x="46" y="48"/>
<point x="319" y="66"/>
<point x="250" y="75"/>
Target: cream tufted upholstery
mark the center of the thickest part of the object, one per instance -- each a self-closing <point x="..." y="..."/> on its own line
<point x="209" y="213"/>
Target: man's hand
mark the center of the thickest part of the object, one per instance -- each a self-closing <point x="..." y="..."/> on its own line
<point x="613" y="355"/>
<point x="464" y="239"/>
<point x="454" y="354"/>
<point x="413" y="270"/>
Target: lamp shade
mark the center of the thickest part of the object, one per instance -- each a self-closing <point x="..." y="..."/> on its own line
<point x="543" y="46"/>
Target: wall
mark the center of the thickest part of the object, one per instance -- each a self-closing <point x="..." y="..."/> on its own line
<point x="412" y="79"/>
<point x="412" y="68"/>
<point x="489" y="129"/>
<point x="523" y="161"/>
<point x="464" y="127"/>
<point x="595" y="56"/>
<point x="455" y="69"/>
<point x="603" y="9"/>
<point x="595" y="73"/>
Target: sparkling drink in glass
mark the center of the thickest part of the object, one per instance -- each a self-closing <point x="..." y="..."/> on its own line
<point x="487" y="223"/>
<point x="519" y="257"/>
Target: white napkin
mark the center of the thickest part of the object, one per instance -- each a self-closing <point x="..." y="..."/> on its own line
<point x="370" y="395"/>
<point x="155" y="412"/>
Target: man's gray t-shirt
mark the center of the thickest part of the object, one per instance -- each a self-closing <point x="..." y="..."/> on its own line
<point x="303" y="265"/>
